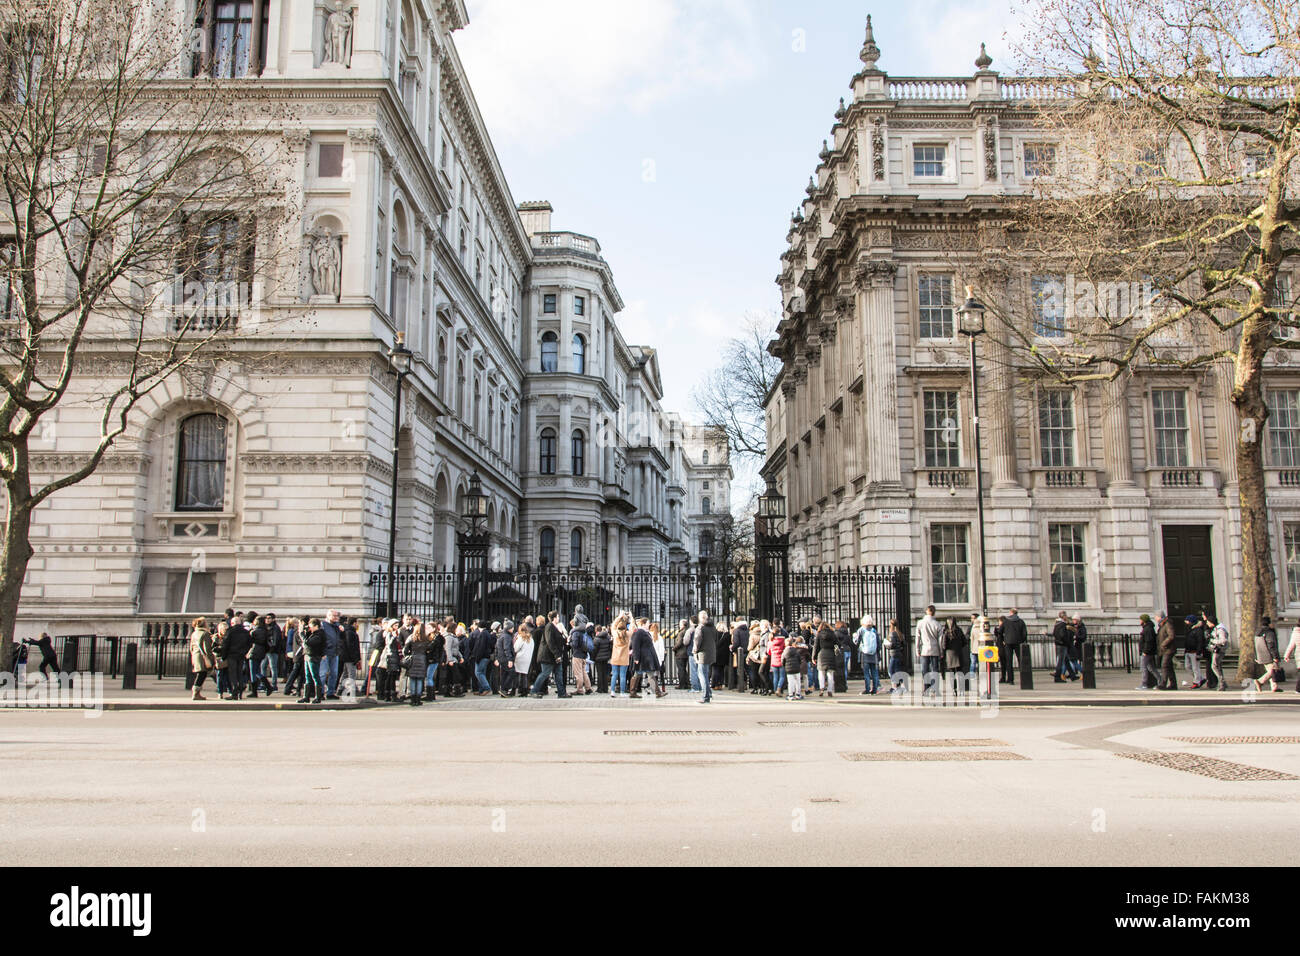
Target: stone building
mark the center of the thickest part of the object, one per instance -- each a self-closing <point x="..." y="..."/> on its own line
<point x="1106" y="500"/>
<point x="263" y="479"/>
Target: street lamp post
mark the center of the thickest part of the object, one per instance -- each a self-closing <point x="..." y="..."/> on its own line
<point x="399" y="365"/>
<point x="771" y="551"/>
<point x="971" y="324"/>
<point x="474" y="549"/>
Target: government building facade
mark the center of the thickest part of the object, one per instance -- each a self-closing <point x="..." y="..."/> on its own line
<point x="262" y="478"/>
<point x="1106" y="500"/>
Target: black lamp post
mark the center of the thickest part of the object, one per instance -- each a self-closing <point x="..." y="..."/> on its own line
<point x="473" y="542"/>
<point x="771" y="552"/>
<point x="970" y="319"/>
<point x="399" y="365"/>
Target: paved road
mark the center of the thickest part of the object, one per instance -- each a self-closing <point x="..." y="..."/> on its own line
<point x="549" y="785"/>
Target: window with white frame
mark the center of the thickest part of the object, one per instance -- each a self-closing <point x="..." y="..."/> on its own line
<point x="949" y="564"/>
<point x="1069" y="563"/>
<point x="1047" y="301"/>
<point x="1056" y="428"/>
<point x="1284" y="427"/>
<point x="1291" y="546"/>
<point x="1283" y="302"/>
<point x="929" y="160"/>
<point x="941" y="428"/>
<point x="1169" y="424"/>
<point x="1040" y="159"/>
<point x="934" y="298"/>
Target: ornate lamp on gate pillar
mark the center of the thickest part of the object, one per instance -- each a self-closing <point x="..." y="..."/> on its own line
<point x="399" y="365"/>
<point x="970" y="319"/>
<point x="772" y="553"/>
<point x="472" y="548"/>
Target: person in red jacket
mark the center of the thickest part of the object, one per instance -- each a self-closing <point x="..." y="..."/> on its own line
<point x="776" y="657"/>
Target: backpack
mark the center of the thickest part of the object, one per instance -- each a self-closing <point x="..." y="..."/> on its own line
<point x="870" y="643"/>
<point x="588" y="644"/>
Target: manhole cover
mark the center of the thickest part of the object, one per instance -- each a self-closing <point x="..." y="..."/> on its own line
<point x="1205" y="766"/>
<point x="955" y="742"/>
<point x="933" y="755"/>
<point x="672" y="733"/>
<point x="802" y="723"/>
<point x="1237" y="740"/>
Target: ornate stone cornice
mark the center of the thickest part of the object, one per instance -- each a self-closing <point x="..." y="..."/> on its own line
<point x="272" y="463"/>
<point x="113" y="462"/>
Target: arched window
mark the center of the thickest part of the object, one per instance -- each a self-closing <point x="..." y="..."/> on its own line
<point x="579" y="355"/>
<point x="706" y="458"/>
<point x="579" y="449"/>
<point x="201" y="463"/>
<point x="460" y="386"/>
<point x="575" y="548"/>
<point x="546" y="552"/>
<point x="492" y="421"/>
<point x="478" y="403"/>
<point x="706" y="505"/>
<point x="547" y="464"/>
<point x="442" y="367"/>
<point x="550" y="351"/>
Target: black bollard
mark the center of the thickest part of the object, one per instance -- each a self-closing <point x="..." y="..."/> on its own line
<point x="70" y="650"/>
<point x="1026" y="666"/>
<point x="128" y="669"/>
<point x="1089" y="666"/>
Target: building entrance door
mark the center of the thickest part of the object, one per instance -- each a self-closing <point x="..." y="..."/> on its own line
<point x="1189" y="572"/>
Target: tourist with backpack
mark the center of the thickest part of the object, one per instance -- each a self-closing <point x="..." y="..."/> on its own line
<point x="578" y="651"/>
<point x="867" y="642"/>
<point x="1217" y="644"/>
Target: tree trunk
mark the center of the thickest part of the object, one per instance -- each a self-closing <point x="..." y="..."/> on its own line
<point x="17" y="552"/>
<point x="1259" y="581"/>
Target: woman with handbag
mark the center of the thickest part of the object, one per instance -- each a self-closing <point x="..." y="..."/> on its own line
<point x="202" y="659"/>
<point x="219" y="656"/>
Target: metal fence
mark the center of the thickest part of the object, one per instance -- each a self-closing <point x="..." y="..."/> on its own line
<point x="1113" y="651"/>
<point x="165" y="653"/>
<point x="664" y="595"/>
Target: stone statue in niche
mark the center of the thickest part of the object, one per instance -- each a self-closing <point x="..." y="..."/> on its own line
<point x="337" y="47"/>
<point x="325" y="262"/>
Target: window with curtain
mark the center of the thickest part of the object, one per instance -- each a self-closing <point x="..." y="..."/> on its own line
<point x="546" y="552"/>
<point x="546" y="464"/>
<point x="550" y="351"/>
<point x="1056" y="428"/>
<point x="228" y="47"/>
<point x="575" y="547"/>
<point x="578" y="449"/>
<point x="201" y="463"/>
<point x="579" y="355"/>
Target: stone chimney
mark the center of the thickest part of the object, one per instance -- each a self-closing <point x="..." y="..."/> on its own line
<point x="536" y="216"/>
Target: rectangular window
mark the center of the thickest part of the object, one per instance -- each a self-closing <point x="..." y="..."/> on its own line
<point x="1291" y="543"/>
<point x="225" y="29"/>
<point x="1047" y="295"/>
<point x="579" y="305"/>
<point x="330" y="160"/>
<point x="548" y="303"/>
<point x="942" y="428"/>
<point x="1169" y="411"/>
<point x="1284" y="427"/>
<point x="934" y="296"/>
<point x="949" y="564"/>
<point x="1040" y="159"/>
<point x="1069" y="564"/>
<point x="929" y="161"/>
<point x="1056" y="428"/>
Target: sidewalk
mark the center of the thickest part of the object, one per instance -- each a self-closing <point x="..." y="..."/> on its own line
<point x="1114" y="689"/>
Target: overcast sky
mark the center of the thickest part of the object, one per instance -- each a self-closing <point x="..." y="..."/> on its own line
<point x="681" y="134"/>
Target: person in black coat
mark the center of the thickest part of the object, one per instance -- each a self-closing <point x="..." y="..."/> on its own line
<point x="505" y="659"/>
<point x="551" y="657"/>
<point x="602" y="648"/>
<point x="259" y="646"/>
<point x="1015" y="638"/>
<point x="739" y="648"/>
<point x="314" y="647"/>
<point x="645" y="662"/>
<point x="49" y="659"/>
<point x="1194" y="647"/>
<point x="1148" y="648"/>
<point x="237" y="645"/>
<point x="1063" y="638"/>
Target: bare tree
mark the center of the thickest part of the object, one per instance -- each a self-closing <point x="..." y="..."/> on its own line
<point x="1162" y="216"/>
<point x="127" y="231"/>
<point x="733" y="396"/>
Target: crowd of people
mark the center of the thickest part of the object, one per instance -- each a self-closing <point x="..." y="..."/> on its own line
<point x="413" y="660"/>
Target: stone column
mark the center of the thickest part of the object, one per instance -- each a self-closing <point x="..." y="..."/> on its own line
<point x="1001" y="398"/>
<point x="565" y="439"/>
<point x="1228" y="422"/>
<point x="880" y="383"/>
<point x="1119" y="461"/>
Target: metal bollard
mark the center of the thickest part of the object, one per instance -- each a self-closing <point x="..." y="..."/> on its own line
<point x="1089" y="666"/>
<point x="71" y="647"/>
<point x="128" y="669"/>
<point x="1026" y="666"/>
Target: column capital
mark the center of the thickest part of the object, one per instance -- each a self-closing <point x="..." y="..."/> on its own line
<point x="875" y="273"/>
